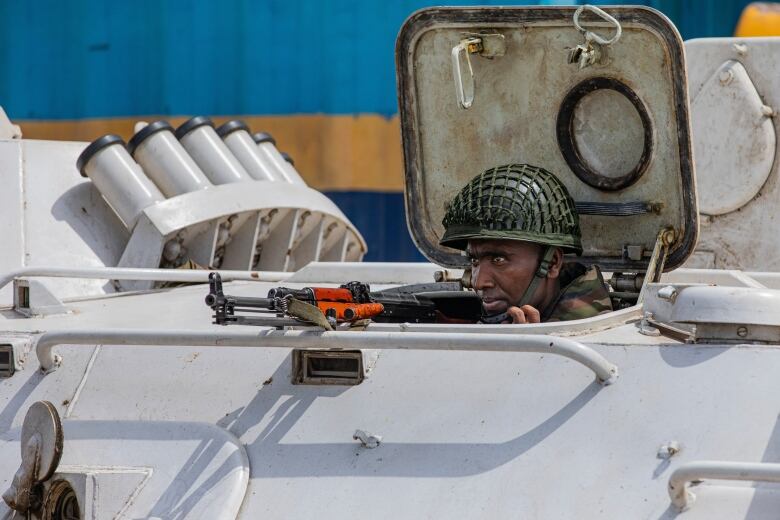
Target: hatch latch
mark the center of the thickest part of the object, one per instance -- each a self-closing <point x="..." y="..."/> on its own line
<point x="591" y="51"/>
<point x="487" y="46"/>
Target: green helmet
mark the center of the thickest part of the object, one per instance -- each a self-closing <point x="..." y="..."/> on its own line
<point x="513" y="202"/>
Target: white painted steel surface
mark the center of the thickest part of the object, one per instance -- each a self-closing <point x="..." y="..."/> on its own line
<point x="214" y="158"/>
<point x="200" y="206"/>
<point x="512" y="421"/>
<point x="8" y="130"/>
<point x="682" y="477"/>
<point x="122" y="183"/>
<point x="258" y="164"/>
<point x="169" y="166"/>
<point x="399" y="273"/>
<point x="271" y="155"/>
<point x="128" y="273"/>
<point x="54" y="216"/>
<point x="274" y="238"/>
<point x="290" y="171"/>
<point x="184" y="469"/>
<point x="734" y="140"/>
<point x="726" y="277"/>
<point x="13" y="207"/>
<point x="735" y="144"/>
<point x="706" y="304"/>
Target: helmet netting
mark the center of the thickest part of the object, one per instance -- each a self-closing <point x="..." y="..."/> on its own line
<point x="515" y="197"/>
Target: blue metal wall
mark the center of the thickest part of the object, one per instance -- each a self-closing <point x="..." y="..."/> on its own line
<point x="87" y="59"/>
<point x="80" y="59"/>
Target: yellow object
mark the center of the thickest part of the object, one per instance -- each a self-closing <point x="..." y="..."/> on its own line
<point x="759" y="19"/>
<point x="331" y="152"/>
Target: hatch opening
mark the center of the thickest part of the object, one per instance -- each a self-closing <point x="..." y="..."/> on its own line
<point x="327" y="367"/>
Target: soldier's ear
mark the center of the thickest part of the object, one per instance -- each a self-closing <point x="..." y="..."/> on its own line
<point x="556" y="263"/>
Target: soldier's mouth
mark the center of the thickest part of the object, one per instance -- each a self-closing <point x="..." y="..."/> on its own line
<point x="492" y="306"/>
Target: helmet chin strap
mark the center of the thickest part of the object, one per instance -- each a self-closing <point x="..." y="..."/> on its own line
<point x="539" y="275"/>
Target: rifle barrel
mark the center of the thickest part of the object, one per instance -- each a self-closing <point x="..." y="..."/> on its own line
<point x="246" y="301"/>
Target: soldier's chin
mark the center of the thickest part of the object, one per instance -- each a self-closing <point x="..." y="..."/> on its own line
<point x="494" y="307"/>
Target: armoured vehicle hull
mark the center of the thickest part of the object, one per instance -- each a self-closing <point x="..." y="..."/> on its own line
<point x="221" y="432"/>
<point x="657" y="410"/>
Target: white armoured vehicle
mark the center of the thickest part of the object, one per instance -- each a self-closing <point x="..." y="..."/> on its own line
<point x="120" y="398"/>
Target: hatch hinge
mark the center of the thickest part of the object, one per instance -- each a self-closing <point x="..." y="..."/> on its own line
<point x="655" y="267"/>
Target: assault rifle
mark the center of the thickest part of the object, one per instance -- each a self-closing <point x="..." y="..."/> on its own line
<point x="418" y="303"/>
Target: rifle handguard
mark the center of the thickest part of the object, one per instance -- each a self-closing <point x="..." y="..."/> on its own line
<point x="363" y="311"/>
<point x="350" y="311"/>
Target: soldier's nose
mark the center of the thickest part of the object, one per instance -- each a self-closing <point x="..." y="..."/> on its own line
<point x="481" y="279"/>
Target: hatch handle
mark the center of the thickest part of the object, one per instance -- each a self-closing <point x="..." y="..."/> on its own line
<point x="683" y="476"/>
<point x="467" y="46"/>
<point x="592" y="36"/>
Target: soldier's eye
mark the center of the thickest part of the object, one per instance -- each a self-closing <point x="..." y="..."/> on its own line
<point x="474" y="262"/>
<point x="498" y="260"/>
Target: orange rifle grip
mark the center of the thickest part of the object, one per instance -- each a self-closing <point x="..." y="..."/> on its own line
<point x="363" y="311"/>
<point x="352" y="311"/>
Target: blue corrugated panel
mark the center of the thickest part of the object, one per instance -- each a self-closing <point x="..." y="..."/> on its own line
<point x="81" y="59"/>
<point x="380" y="218"/>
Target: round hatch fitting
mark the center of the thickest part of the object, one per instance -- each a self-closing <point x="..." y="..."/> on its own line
<point x="43" y="420"/>
<point x="605" y="133"/>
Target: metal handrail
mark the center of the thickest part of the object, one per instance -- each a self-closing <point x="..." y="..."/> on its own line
<point x="605" y="371"/>
<point x="682" y="477"/>
<point x="133" y="273"/>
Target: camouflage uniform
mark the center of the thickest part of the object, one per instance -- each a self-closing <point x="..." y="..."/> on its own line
<point x="583" y="294"/>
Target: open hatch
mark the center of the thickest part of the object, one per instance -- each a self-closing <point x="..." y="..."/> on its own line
<point x="599" y="98"/>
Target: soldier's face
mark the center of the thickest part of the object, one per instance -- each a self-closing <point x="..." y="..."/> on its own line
<point x="501" y="271"/>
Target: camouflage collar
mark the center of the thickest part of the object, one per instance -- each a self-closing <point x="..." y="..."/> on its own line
<point x="583" y="294"/>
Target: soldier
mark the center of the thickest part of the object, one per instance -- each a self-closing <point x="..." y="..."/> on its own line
<point x="515" y="223"/>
